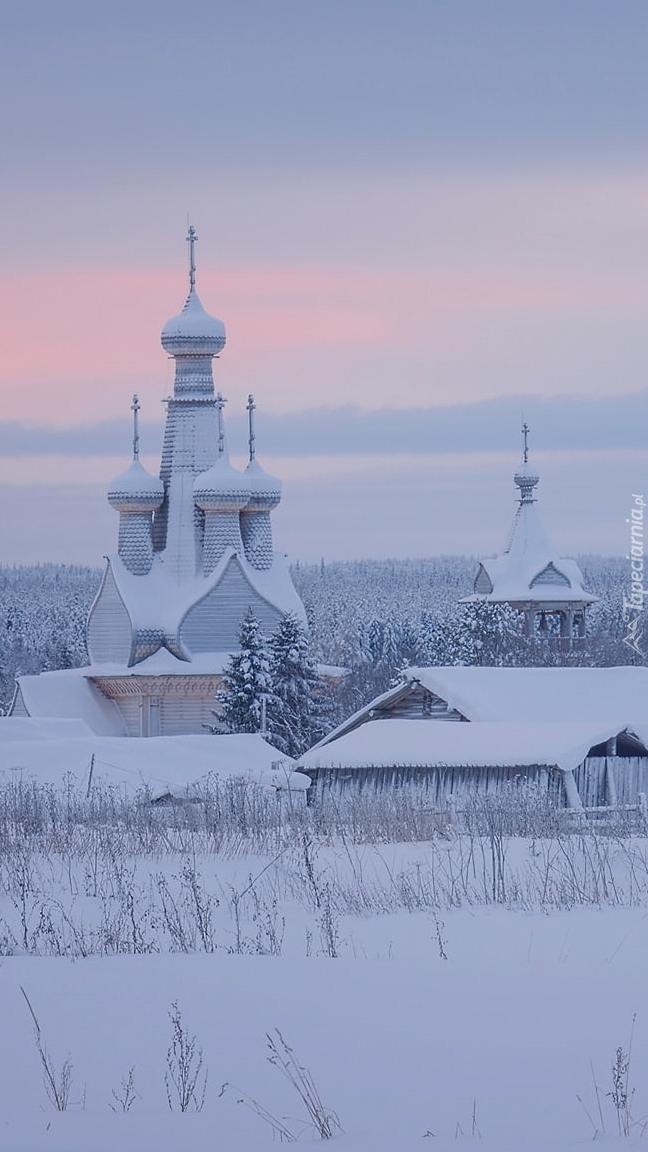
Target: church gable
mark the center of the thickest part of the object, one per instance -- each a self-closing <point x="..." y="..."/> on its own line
<point x="483" y="585"/>
<point x="550" y="575"/>
<point x="110" y="631"/>
<point x="213" y="624"/>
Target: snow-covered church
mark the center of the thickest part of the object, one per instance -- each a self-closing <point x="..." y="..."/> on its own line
<point x="195" y="551"/>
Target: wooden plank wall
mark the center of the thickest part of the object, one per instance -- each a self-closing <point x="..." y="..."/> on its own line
<point x="601" y="780"/>
<point x="214" y="623"/>
<point x="439" y="783"/>
<point x="629" y="777"/>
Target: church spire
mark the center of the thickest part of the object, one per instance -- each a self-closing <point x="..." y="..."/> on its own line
<point x="136" y="495"/>
<point x="526" y="477"/>
<point x="265" y="494"/>
<point x="194" y="435"/>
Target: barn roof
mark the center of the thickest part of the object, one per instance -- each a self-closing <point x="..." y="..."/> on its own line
<point x="614" y="697"/>
<point x="426" y="744"/>
<point x="619" y="695"/>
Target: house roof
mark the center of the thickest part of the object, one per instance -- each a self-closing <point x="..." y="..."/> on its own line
<point x="69" y="694"/>
<point x="614" y="697"/>
<point x="619" y="695"/>
<point x="426" y="744"/>
<point x="167" y="765"/>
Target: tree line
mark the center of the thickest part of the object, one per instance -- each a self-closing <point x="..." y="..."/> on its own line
<point x="369" y="618"/>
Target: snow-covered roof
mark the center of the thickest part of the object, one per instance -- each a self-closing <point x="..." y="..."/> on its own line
<point x="557" y="695"/>
<point x="426" y="744"/>
<point x="158" y="603"/>
<point x="69" y="694"/>
<point x="529" y="570"/>
<point x="164" y="764"/>
<point x="615" y="697"/>
<point x="14" y="728"/>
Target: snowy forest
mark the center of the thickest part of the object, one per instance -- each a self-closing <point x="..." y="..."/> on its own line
<point x="371" y="617"/>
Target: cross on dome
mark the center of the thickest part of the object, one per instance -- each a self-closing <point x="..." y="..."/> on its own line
<point x="191" y="241"/>
<point x="135" y="409"/>
<point x="525" y="434"/>
<point x="193" y="332"/>
<point x="251" y="437"/>
<point x="220" y="404"/>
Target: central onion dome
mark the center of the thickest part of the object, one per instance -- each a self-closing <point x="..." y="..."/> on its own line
<point x="136" y="490"/>
<point x="221" y="488"/>
<point x="194" y="332"/>
<point x="265" y="490"/>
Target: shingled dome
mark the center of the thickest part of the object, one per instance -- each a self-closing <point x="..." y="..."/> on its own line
<point x="194" y="332"/>
<point x="136" y="490"/>
<point x="222" y="488"/>
<point x="265" y="490"/>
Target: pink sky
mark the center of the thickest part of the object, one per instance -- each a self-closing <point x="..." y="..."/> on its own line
<point x="298" y="335"/>
<point x="460" y="216"/>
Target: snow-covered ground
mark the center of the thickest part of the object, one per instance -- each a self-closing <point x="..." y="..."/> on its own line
<point x="399" y="1041"/>
<point x="430" y="1015"/>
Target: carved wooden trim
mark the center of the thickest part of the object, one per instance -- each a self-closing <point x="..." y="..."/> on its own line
<point x="115" y="686"/>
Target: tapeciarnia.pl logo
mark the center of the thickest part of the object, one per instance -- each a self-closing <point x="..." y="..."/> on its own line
<point x="633" y="605"/>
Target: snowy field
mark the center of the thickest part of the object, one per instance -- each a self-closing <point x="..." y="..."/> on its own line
<point x="443" y="981"/>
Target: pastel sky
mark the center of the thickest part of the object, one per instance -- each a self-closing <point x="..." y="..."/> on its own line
<point x="421" y="221"/>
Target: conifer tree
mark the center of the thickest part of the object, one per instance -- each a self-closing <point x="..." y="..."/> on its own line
<point x="298" y="708"/>
<point x="246" y="681"/>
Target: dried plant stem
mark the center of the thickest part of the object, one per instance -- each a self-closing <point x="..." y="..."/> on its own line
<point x="57" y="1086"/>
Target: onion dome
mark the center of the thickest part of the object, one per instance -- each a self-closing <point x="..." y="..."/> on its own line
<point x="194" y="332"/>
<point x="136" y="490"/>
<point x="265" y="490"/>
<point x="221" y="488"/>
<point x="526" y="479"/>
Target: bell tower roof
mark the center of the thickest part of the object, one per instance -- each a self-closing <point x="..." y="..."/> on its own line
<point x="529" y="572"/>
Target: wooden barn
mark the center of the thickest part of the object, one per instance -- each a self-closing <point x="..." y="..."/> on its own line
<point x="580" y="732"/>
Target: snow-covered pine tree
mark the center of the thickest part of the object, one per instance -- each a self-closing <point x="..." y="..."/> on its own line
<point x="246" y="682"/>
<point x="299" y="708"/>
<point x="491" y="634"/>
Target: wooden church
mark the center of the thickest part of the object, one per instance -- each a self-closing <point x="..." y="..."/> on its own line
<point x="195" y="551"/>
